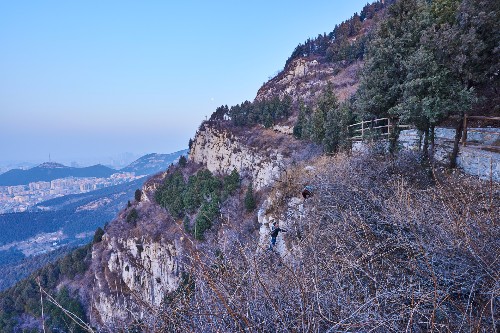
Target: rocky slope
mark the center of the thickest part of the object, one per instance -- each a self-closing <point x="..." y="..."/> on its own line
<point x="305" y="78"/>
<point x="380" y="246"/>
<point x="258" y="154"/>
<point x="137" y="265"/>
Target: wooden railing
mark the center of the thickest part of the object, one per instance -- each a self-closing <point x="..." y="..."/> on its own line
<point x="381" y="127"/>
<point x="466" y="130"/>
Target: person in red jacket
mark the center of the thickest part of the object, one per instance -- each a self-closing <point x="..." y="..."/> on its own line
<point x="275" y="230"/>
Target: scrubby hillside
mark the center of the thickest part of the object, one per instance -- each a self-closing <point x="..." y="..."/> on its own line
<point x="388" y="241"/>
<point x="381" y="246"/>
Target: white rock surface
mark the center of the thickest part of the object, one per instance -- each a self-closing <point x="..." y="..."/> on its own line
<point x="266" y="217"/>
<point x="222" y="152"/>
<point x="137" y="275"/>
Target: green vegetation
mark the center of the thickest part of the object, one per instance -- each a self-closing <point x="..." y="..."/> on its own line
<point x="24" y="297"/>
<point x="137" y="195"/>
<point x="426" y="62"/>
<point x="132" y="216"/>
<point x="170" y="194"/>
<point x="98" y="235"/>
<point x="231" y="183"/>
<point x="201" y="195"/>
<point x="250" y="203"/>
<point x="340" y="44"/>
<point x="427" y="59"/>
<point x="182" y="161"/>
<point x="326" y="125"/>
<point x="266" y="112"/>
<point x="208" y="212"/>
<point x="57" y="320"/>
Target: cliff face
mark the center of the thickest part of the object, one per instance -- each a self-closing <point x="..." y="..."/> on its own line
<point x="134" y="267"/>
<point x="135" y="271"/>
<point x="140" y="261"/>
<point x="221" y="152"/>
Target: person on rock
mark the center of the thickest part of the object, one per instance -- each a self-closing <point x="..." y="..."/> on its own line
<point x="275" y="230"/>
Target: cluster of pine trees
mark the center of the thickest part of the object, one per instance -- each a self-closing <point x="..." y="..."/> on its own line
<point x="326" y="123"/>
<point x="427" y="61"/>
<point x="339" y="45"/>
<point x="265" y="112"/>
<point x="24" y="297"/>
<point x="200" y="196"/>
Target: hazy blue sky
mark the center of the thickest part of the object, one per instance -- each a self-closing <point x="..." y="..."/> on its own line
<point x="88" y="79"/>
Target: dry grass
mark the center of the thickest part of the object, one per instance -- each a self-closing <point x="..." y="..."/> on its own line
<point x="383" y="248"/>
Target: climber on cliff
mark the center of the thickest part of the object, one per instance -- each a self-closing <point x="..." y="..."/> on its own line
<point x="275" y="229"/>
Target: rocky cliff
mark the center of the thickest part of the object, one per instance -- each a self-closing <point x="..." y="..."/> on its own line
<point x="139" y="262"/>
<point x="222" y="152"/>
<point x="305" y="78"/>
<point x="261" y="156"/>
<point x="135" y="266"/>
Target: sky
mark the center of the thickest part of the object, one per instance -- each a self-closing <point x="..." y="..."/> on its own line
<point x="85" y="81"/>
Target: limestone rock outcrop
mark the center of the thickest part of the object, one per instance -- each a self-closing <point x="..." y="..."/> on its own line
<point x="221" y="152"/>
<point x="131" y="276"/>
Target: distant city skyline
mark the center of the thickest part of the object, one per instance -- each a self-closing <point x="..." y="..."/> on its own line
<point x="85" y="81"/>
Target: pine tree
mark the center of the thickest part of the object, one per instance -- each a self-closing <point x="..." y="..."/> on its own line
<point x="250" y="203"/>
<point x="182" y="161"/>
<point x="327" y="103"/>
<point x="98" y="235"/>
<point x="138" y="195"/>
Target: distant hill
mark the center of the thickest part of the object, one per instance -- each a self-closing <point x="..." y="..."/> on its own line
<point x="49" y="171"/>
<point x="153" y="163"/>
<point x="75" y="216"/>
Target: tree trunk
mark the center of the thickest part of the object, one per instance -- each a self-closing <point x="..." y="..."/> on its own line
<point x="425" y="149"/>
<point x="456" y="143"/>
<point x="432" y="146"/>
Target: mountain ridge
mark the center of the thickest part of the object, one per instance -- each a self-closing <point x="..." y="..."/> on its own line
<point x="383" y="242"/>
<point x="49" y="171"/>
<point x="153" y="163"/>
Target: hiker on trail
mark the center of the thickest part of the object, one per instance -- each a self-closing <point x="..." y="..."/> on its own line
<point x="308" y="191"/>
<point x="275" y="229"/>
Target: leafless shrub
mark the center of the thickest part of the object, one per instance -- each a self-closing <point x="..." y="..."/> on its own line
<point x="383" y="248"/>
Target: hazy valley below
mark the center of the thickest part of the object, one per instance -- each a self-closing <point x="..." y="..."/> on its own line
<point x="59" y="214"/>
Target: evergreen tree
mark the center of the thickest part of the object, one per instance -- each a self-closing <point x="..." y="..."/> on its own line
<point x="182" y="161"/>
<point x="298" y="129"/>
<point x="132" y="216"/>
<point x="231" y="183"/>
<point x="250" y="203"/>
<point x="138" y="195"/>
<point x="98" y="235"/>
<point x="327" y="103"/>
<point x="170" y="195"/>
<point x="395" y="39"/>
<point x="206" y="215"/>
<point x="336" y="134"/>
<point x="405" y="75"/>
